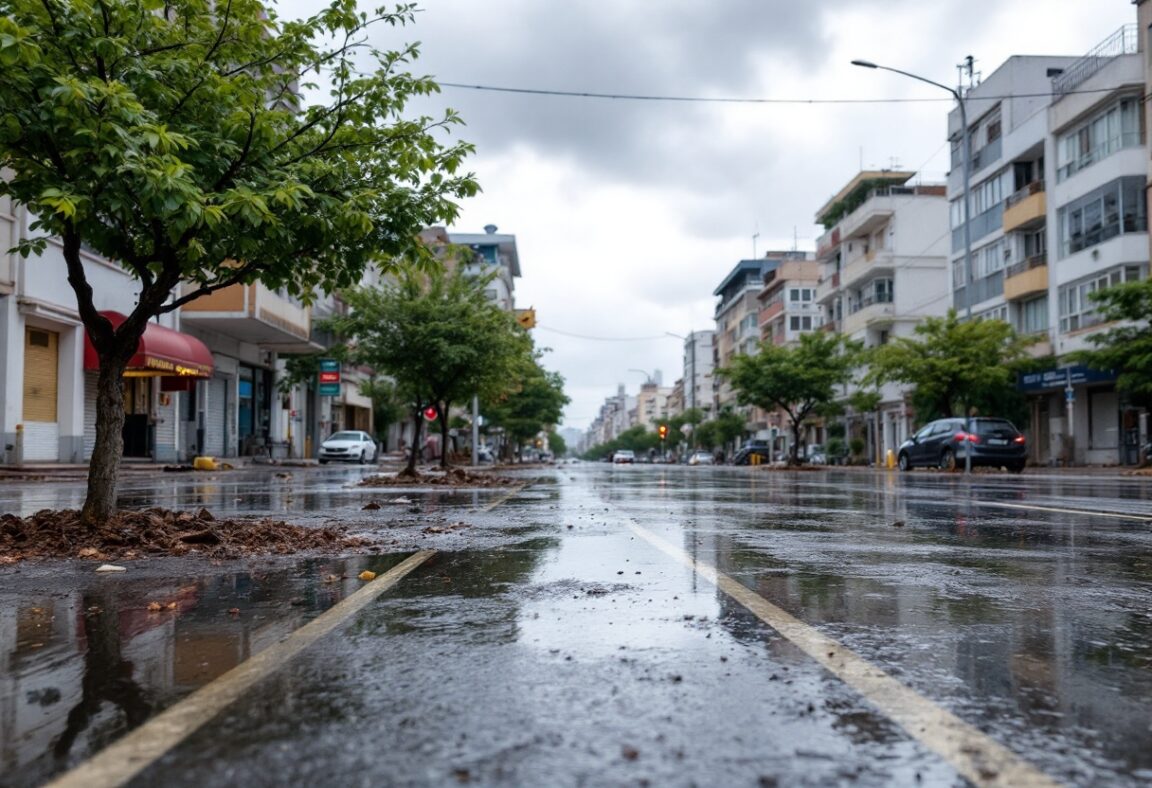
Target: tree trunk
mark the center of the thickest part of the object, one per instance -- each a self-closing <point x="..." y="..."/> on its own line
<point x="104" y="467"/>
<point x="417" y="420"/>
<point x="795" y="442"/>
<point x="443" y="434"/>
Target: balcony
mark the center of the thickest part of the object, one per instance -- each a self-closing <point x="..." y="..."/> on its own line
<point x="254" y="314"/>
<point x="771" y="310"/>
<point x="1026" y="278"/>
<point x="870" y="264"/>
<point x="872" y="309"/>
<point x="1026" y="209"/>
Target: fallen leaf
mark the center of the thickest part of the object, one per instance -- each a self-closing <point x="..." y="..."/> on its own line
<point x="366" y="575"/>
<point x="171" y="606"/>
<point x="234" y="611"/>
<point x="371" y="505"/>
<point x="89" y="552"/>
<point x="154" y="607"/>
<point x="110" y="568"/>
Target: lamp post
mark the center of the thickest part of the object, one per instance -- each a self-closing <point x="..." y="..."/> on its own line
<point x="965" y="153"/>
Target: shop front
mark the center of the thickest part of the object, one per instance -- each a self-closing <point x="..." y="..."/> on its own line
<point x="166" y="366"/>
<point x="1079" y="418"/>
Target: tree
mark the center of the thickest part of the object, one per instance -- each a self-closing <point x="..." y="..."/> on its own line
<point x="439" y="338"/>
<point x="557" y="444"/>
<point x="1126" y="348"/>
<point x="388" y="406"/>
<point x="535" y="404"/>
<point x="953" y="364"/>
<point x="690" y="418"/>
<point x="799" y="379"/>
<point x="171" y="138"/>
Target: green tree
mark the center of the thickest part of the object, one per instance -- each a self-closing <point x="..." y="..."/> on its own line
<point x="690" y="418"/>
<point x="1126" y="348"/>
<point x="439" y="338"/>
<point x="953" y="363"/>
<point x="557" y="444"/>
<point x="388" y="405"/>
<point x="171" y="138"/>
<point x="799" y="379"/>
<point x="533" y="405"/>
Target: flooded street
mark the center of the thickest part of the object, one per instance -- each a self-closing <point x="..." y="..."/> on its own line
<point x="610" y="625"/>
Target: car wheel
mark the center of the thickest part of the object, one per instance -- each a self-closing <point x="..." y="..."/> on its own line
<point x="903" y="462"/>
<point x="362" y="456"/>
<point x="1016" y="467"/>
<point x="948" y="460"/>
<point x="323" y="462"/>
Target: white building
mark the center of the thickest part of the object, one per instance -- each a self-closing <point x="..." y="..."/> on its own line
<point x="883" y="269"/>
<point x="1059" y="210"/>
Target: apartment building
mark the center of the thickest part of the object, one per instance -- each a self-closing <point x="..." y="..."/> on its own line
<point x="1059" y="210"/>
<point x="788" y="306"/>
<point x="699" y="385"/>
<point x="883" y="268"/>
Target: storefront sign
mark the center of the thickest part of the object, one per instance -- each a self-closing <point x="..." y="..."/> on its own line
<point x="1062" y="377"/>
<point x="329" y="378"/>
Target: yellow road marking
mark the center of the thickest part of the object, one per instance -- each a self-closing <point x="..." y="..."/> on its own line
<point x="973" y="754"/>
<point x="504" y="498"/>
<point x="120" y="762"/>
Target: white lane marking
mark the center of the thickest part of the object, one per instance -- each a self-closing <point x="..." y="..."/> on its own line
<point x="120" y="762"/>
<point x="1143" y="518"/>
<point x="973" y="754"/>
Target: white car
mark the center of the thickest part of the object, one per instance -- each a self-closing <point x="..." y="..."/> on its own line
<point x="624" y="456"/>
<point x="349" y="446"/>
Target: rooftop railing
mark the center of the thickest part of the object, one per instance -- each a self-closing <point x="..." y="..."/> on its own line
<point x="1124" y="41"/>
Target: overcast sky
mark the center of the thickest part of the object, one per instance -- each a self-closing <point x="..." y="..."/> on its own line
<point x="628" y="214"/>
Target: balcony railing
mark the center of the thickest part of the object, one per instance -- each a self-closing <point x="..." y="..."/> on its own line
<point x="868" y="300"/>
<point x="1020" y="195"/>
<point x="1124" y="41"/>
<point x="1035" y="261"/>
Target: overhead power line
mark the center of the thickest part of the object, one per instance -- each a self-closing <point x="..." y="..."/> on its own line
<point x="601" y="339"/>
<point x="751" y="100"/>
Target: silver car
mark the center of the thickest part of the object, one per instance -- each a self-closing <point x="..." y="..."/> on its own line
<point x="348" y="446"/>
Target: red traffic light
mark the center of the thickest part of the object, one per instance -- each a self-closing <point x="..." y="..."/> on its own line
<point x="430" y="413"/>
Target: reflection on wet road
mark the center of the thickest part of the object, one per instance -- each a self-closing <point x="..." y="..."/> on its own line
<point x="551" y="646"/>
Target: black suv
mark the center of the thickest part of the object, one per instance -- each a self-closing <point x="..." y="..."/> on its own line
<point x="944" y="443"/>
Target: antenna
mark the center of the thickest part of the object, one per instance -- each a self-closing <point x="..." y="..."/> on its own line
<point x="967" y="67"/>
<point x="755" y="235"/>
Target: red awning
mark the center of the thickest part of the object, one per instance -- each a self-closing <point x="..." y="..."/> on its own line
<point x="162" y="352"/>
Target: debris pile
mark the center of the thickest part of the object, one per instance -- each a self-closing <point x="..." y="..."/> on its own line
<point x="159" y="532"/>
<point x="453" y="477"/>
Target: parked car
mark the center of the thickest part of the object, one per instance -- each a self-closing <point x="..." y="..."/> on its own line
<point x="945" y="443"/>
<point x="700" y="458"/>
<point x="624" y="456"/>
<point x="744" y="456"/>
<point x="349" y="446"/>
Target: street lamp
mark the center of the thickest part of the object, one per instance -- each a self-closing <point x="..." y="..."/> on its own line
<point x="645" y="374"/>
<point x="966" y="159"/>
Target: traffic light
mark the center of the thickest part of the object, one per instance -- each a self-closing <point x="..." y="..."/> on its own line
<point x="430" y="413"/>
<point x="663" y="430"/>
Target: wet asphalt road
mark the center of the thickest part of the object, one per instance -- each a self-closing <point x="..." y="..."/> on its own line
<point x="547" y="643"/>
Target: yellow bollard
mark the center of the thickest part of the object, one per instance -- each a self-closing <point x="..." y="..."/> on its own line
<point x="890" y="459"/>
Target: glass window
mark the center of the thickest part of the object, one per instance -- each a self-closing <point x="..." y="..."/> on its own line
<point x="1114" y="208"/>
<point x="1077" y="309"/>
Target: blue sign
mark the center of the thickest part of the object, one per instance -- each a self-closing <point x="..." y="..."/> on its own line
<point x="329" y="390"/>
<point x="1063" y="377"/>
<point x="329" y="365"/>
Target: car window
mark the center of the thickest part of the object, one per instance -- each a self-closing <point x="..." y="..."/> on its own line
<point x="925" y="431"/>
<point x="345" y="436"/>
<point x="993" y="427"/>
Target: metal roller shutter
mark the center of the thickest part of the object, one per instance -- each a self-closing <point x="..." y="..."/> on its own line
<point x="214" y="417"/>
<point x="90" y="378"/>
<point x="41" y="362"/>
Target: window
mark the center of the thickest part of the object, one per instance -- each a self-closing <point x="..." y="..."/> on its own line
<point x="798" y="323"/>
<point x="1078" y="310"/>
<point x="1114" y="129"/>
<point x="995" y="313"/>
<point x="1033" y="317"/>
<point x="1113" y="209"/>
